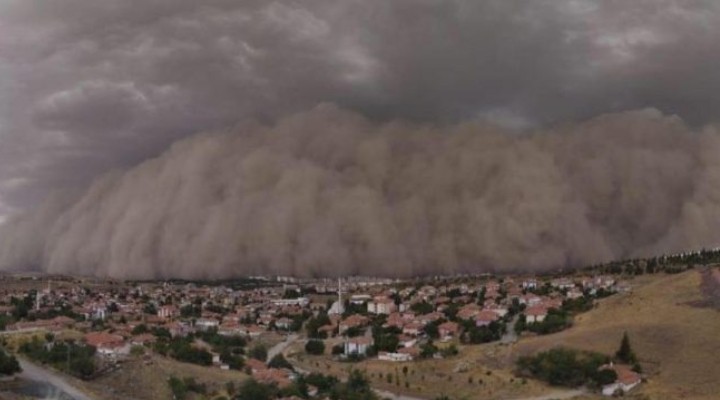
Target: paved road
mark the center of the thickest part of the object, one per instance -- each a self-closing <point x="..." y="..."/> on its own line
<point x="37" y="373"/>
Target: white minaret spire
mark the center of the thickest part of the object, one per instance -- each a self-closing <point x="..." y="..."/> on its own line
<point x="340" y="302"/>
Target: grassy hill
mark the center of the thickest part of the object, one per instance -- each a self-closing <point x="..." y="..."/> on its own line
<point x="678" y="343"/>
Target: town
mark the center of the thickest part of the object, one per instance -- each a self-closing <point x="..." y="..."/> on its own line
<point x="275" y="330"/>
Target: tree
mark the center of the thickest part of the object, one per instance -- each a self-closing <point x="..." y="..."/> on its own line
<point x="150" y="309"/>
<point x="258" y="352"/>
<point x="605" y="376"/>
<point x="431" y="329"/>
<point x="8" y="364"/>
<point x="315" y="347"/>
<point x="625" y="353"/>
<point x="279" y="361"/>
<point x="252" y="389"/>
<point x="140" y="329"/>
<point x="178" y="388"/>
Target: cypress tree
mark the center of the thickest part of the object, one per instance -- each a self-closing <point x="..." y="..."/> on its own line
<point x="625" y="353"/>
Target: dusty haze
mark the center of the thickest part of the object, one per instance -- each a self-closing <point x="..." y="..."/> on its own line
<point x="328" y="192"/>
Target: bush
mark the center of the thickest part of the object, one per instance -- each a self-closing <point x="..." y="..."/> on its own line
<point x="258" y="352"/>
<point x="8" y="364"/>
<point x="338" y="349"/>
<point x="252" y="389"/>
<point x="555" y="321"/>
<point x="315" y="347"/>
<point x="279" y="361"/>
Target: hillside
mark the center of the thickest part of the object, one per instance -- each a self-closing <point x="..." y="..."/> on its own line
<point x="675" y="339"/>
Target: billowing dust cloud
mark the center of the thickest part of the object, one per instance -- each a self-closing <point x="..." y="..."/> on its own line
<point x="328" y="193"/>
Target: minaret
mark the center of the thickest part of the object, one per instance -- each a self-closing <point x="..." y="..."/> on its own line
<point x="341" y="305"/>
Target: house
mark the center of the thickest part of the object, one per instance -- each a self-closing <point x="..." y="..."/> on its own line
<point x="627" y="379"/>
<point x="562" y="283"/>
<point x="501" y="311"/>
<point x="353" y="321"/>
<point x="360" y="299"/>
<point x="395" y="320"/>
<point x="167" y="312"/>
<point x="143" y="339"/>
<point x="255" y="365"/>
<point x="283" y="323"/>
<point x="468" y="312"/>
<point x="530" y="283"/>
<point x="381" y="305"/>
<point x="358" y="345"/>
<point x="535" y="314"/>
<point x="406" y="341"/>
<point x="448" y="330"/>
<point x="230" y="328"/>
<point x="530" y="300"/>
<point x="413" y="329"/>
<point x="431" y="317"/>
<point x="107" y="344"/>
<point x="486" y="317"/>
<point x="205" y="324"/>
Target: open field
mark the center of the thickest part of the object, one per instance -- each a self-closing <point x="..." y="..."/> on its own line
<point x="138" y="380"/>
<point x="461" y="377"/>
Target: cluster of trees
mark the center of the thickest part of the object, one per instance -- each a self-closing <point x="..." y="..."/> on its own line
<point x="385" y="338"/>
<point x="314" y="324"/>
<point x="5" y="320"/>
<point x="357" y="387"/>
<point x="258" y="352"/>
<point x="555" y="321"/>
<point x="669" y="264"/>
<point x="481" y="334"/>
<point x="159" y="332"/>
<point x="230" y="348"/>
<point x="8" y="364"/>
<point x="567" y="367"/>
<point x="573" y="368"/>
<point x="180" y="388"/>
<point x="315" y="347"/>
<point x="74" y="358"/>
<point x="182" y="349"/>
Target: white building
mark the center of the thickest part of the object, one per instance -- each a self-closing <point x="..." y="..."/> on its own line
<point x="381" y="305"/>
<point x="358" y="345"/>
<point x="205" y="324"/>
<point x="394" y="357"/>
<point x="627" y="379"/>
<point x="300" y="301"/>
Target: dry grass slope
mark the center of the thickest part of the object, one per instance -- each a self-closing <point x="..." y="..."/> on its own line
<point x="677" y="343"/>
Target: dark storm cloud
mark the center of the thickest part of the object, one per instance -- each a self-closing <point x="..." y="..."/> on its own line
<point x="89" y="87"/>
<point x="330" y="193"/>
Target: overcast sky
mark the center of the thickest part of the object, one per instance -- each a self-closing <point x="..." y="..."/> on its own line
<point x="87" y="86"/>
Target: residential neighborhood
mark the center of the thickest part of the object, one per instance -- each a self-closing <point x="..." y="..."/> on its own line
<point x="227" y="327"/>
